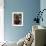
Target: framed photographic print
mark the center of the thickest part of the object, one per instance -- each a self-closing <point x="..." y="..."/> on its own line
<point x="17" y="19"/>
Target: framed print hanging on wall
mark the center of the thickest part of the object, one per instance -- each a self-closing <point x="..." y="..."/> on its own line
<point x="17" y="19"/>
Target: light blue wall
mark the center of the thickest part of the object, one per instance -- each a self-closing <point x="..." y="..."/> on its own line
<point x="29" y="8"/>
<point x="43" y="6"/>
